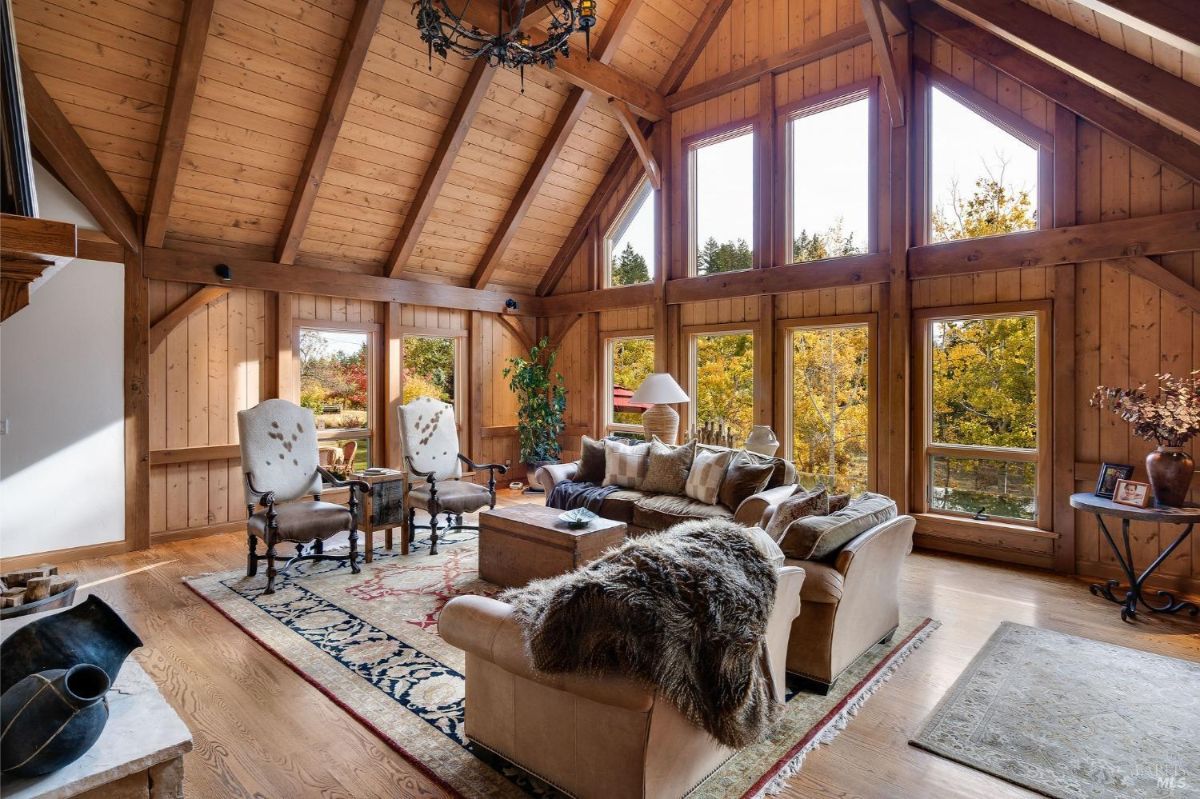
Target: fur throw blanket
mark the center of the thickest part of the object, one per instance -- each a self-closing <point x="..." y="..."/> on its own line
<point x="684" y="610"/>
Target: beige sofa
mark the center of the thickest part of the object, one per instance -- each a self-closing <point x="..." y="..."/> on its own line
<point x="642" y="512"/>
<point x="590" y="736"/>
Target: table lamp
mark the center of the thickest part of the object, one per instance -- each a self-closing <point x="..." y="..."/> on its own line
<point x="659" y="391"/>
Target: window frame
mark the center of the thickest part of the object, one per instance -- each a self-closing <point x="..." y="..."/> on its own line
<point x="925" y="448"/>
<point x="608" y="339"/>
<point x="784" y="330"/>
<point x="690" y="334"/>
<point x="620" y="222"/>
<point x="691" y="146"/>
<point x="460" y="338"/>
<point x="372" y="330"/>
<point x="868" y="90"/>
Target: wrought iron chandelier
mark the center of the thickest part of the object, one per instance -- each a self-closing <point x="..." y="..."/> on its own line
<point x="445" y="30"/>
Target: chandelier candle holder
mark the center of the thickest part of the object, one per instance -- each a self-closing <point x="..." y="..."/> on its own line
<point x="445" y="30"/>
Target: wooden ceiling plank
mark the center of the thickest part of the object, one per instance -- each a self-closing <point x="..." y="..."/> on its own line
<point x="457" y="128"/>
<point x="543" y="162"/>
<point x="1109" y="69"/>
<point x="693" y="46"/>
<point x="177" y="315"/>
<point x="641" y="146"/>
<point x="881" y="41"/>
<point x="1091" y="104"/>
<point x="1173" y="22"/>
<point x="59" y="145"/>
<point x="185" y="77"/>
<point x="329" y="125"/>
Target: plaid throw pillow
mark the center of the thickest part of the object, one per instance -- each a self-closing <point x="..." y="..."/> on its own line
<point x="625" y="464"/>
<point x="708" y="471"/>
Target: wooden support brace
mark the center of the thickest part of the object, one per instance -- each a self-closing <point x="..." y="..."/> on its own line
<point x="177" y="315"/>
<point x="640" y="145"/>
<point x="1161" y="277"/>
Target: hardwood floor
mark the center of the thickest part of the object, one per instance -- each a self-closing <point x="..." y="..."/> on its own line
<point x="260" y="730"/>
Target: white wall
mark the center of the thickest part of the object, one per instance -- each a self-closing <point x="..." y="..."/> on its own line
<point x="62" y="461"/>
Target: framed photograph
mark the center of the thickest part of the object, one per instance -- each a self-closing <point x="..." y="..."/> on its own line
<point x="1110" y="473"/>
<point x="1131" y="492"/>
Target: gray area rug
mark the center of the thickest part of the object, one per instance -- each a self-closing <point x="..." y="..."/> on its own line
<point x="1073" y="718"/>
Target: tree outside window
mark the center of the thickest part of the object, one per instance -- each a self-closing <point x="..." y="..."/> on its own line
<point x="630" y="242"/>
<point x="335" y="386"/>
<point x="630" y="361"/>
<point x="429" y="363"/>
<point x="723" y="204"/>
<point x="723" y="381"/>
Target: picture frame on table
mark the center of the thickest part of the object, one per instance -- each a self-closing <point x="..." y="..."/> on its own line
<point x="1132" y="493"/>
<point x="1110" y="473"/>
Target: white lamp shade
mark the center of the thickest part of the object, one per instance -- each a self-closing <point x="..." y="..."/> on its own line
<point x="659" y="389"/>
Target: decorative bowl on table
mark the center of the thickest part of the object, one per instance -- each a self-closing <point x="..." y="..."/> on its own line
<point x="578" y="519"/>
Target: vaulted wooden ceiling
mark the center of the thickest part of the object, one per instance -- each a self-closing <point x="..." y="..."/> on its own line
<point x="318" y="132"/>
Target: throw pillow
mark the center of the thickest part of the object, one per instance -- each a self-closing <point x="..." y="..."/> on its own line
<point x="766" y="545"/>
<point x="669" y="467"/>
<point x="743" y="478"/>
<point x="708" y="470"/>
<point x="819" y="537"/>
<point x="838" y="501"/>
<point x="797" y="506"/>
<point x="591" y="461"/>
<point x="625" y="464"/>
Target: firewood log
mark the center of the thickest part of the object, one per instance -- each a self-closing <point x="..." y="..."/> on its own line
<point x="37" y="588"/>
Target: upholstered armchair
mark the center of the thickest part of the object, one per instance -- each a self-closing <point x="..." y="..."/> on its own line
<point x="429" y="436"/>
<point x="280" y="466"/>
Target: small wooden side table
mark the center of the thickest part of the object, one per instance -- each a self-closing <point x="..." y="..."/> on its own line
<point x="1187" y="516"/>
<point x="383" y="509"/>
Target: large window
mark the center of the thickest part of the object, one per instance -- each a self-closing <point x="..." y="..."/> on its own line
<point x="831" y="405"/>
<point x="983" y="415"/>
<point x="629" y="246"/>
<point x="629" y="361"/>
<point x="722" y="204"/>
<point x="982" y="178"/>
<point x="430" y="368"/>
<point x="830" y="176"/>
<point x="722" y="382"/>
<point x="335" y="383"/>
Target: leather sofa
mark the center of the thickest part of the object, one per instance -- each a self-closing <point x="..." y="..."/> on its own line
<point x="597" y="737"/>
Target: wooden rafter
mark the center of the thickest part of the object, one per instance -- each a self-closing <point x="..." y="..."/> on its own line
<point x="560" y="131"/>
<point x="1109" y="69"/>
<point x="1091" y="104"/>
<point x="455" y="132"/>
<point x="706" y="25"/>
<point x="185" y="76"/>
<point x="1174" y="22"/>
<point x="881" y="41"/>
<point x="59" y="145"/>
<point x="640" y="144"/>
<point x="329" y="126"/>
<point x="1161" y="277"/>
<point x="179" y="314"/>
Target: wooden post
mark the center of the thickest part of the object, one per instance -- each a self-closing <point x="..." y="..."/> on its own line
<point x="765" y="249"/>
<point x="392" y="386"/>
<point x="137" y="404"/>
<point x="663" y="331"/>
<point x="287" y="381"/>
<point x="1063" y="344"/>
<point x="899" y="301"/>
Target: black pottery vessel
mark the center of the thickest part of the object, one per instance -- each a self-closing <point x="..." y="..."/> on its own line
<point x="51" y="718"/>
<point x="91" y="632"/>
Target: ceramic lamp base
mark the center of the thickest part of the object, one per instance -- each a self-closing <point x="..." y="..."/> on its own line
<point x="661" y="421"/>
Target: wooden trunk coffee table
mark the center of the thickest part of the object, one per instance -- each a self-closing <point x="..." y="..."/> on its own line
<point x="528" y="542"/>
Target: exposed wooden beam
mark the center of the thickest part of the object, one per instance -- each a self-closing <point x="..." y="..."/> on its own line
<point x="30" y="235"/>
<point x="66" y="154"/>
<point x="783" y="62"/>
<point x="1149" y="136"/>
<point x="185" y="76"/>
<point x="881" y="41"/>
<point x="600" y="300"/>
<point x="1174" y="22"/>
<point x="895" y="16"/>
<point x="519" y="333"/>
<point x="194" y="267"/>
<point x="1113" y="71"/>
<point x="706" y="25"/>
<point x="640" y="145"/>
<point x="179" y="314"/>
<point x="137" y="402"/>
<point x="565" y="325"/>
<point x="453" y="135"/>
<point x="1119" y="238"/>
<point x="329" y="126"/>
<point x="543" y="162"/>
<point x="1161" y="277"/>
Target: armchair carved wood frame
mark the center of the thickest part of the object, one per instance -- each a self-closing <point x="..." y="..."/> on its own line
<point x="434" y="504"/>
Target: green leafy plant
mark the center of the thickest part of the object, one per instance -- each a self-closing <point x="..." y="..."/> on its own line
<point x="543" y="401"/>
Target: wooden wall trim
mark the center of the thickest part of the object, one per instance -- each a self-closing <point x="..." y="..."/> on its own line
<point x="59" y="556"/>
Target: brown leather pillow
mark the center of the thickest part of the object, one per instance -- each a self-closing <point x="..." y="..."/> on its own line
<point x="591" y="462"/>
<point x="743" y="478"/>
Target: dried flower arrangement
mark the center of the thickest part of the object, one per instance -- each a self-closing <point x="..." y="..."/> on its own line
<point x="1171" y="419"/>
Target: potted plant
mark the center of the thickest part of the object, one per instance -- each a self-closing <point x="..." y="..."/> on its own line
<point x="1170" y="419"/>
<point x="543" y="400"/>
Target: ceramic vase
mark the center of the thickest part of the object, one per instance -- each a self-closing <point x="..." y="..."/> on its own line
<point x="51" y="718"/>
<point x="762" y="440"/>
<point x="1170" y="470"/>
<point x="91" y="632"/>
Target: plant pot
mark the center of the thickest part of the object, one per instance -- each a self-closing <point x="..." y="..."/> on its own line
<point x="51" y="718"/>
<point x="1170" y="470"/>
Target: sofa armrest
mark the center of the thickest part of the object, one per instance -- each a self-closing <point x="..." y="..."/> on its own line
<point x="779" y="626"/>
<point x="883" y="544"/>
<point x="552" y="474"/>
<point x="756" y="510"/>
<point x="486" y="628"/>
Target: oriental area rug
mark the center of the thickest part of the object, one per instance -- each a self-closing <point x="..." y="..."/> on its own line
<point x="1073" y="718"/>
<point x="370" y="642"/>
